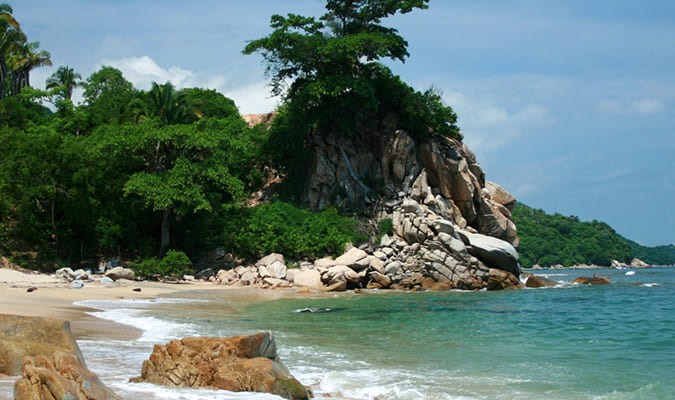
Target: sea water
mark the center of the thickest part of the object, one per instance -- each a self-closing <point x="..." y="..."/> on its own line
<point x="613" y="341"/>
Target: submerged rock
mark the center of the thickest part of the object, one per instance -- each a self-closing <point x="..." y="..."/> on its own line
<point x="539" y="281"/>
<point x="239" y="363"/>
<point x="592" y="280"/>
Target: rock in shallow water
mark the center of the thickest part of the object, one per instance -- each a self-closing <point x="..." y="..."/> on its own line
<point x="238" y="363"/>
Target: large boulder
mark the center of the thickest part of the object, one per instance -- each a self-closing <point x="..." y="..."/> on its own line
<point x="62" y="376"/>
<point x="495" y="253"/>
<point x="500" y="280"/>
<point x="118" y="273"/>
<point x="33" y="336"/>
<point x="308" y="278"/>
<point x="539" y="281"/>
<point x="238" y="363"/>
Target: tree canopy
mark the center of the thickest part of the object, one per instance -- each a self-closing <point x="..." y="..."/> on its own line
<point x="328" y="66"/>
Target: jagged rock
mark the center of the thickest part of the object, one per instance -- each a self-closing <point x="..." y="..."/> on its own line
<point x="77" y="284"/>
<point x="637" y="263"/>
<point x="118" y="273"/>
<point x="238" y="363"/>
<point x="276" y="283"/>
<point x="592" y="280"/>
<point x="226" y="276"/>
<point x="351" y="257"/>
<point x="392" y="268"/>
<point x="249" y="277"/>
<point x="339" y="286"/>
<point x="205" y="274"/>
<point x="496" y="253"/>
<point x="32" y="336"/>
<point x="539" y="281"/>
<point x="382" y="280"/>
<point x="270" y="259"/>
<point x="500" y="196"/>
<point x="500" y="280"/>
<point x="308" y="278"/>
<point x="62" y="376"/>
<point x="67" y="274"/>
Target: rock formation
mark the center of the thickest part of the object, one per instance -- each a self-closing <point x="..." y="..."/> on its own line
<point x="32" y="336"/>
<point x="239" y="363"/>
<point x="62" y="376"/>
<point x="450" y="224"/>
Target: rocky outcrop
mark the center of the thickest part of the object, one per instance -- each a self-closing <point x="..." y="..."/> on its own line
<point x="502" y="280"/>
<point x="592" y="280"/>
<point x="33" y="336"/>
<point x="238" y="363"/>
<point x="539" y="282"/>
<point x="381" y="165"/>
<point x="61" y="376"/>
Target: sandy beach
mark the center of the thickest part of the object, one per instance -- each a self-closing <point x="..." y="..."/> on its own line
<point x="42" y="295"/>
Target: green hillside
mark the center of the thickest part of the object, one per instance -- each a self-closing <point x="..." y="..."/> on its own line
<point x="551" y="239"/>
<point x="659" y="255"/>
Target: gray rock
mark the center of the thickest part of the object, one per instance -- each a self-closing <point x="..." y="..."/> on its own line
<point x="106" y="281"/>
<point x="118" y="273"/>
<point x="351" y="257"/>
<point x="277" y="269"/>
<point x="66" y="274"/>
<point x="496" y="253"/>
<point x="226" y="276"/>
<point x="77" y="284"/>
<point x="270" y="259"/>
<point x="307" y="278"/>
<point x="392" y="268"/>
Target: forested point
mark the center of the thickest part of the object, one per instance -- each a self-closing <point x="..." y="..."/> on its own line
<point x="164" y="176"/>
<point x="555" y="239"/>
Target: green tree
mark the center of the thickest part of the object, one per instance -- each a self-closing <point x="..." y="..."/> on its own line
<point x="65" y="79"/>
<point x="11" y="39"/>
<point x="165" y="104"/>
<point x="331" y="61"/>
<point x="107" y="95"/>
<point x="26" y="58"/>
<point x="179" y="169"/>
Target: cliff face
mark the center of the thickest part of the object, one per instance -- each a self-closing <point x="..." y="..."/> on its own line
<point x="440" y="173"/>
<point x="451" y="225"/>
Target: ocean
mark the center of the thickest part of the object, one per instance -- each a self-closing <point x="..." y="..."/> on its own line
<point x="613" y="341"/>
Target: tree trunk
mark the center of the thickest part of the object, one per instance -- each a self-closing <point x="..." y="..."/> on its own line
<point x="164" y="243"/>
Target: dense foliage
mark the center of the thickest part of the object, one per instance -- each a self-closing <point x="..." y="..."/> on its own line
<point x="547" y="240"/>
<point x="659" y="255"/>
<point x="328" y="73"/>
<point x="283" y="228"/>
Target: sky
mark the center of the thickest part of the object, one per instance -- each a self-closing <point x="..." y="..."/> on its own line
<point x="569" y="105"/>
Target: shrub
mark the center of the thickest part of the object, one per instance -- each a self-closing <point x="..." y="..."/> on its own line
<point x="174" y="263"/>
<point x="282" y="228"/>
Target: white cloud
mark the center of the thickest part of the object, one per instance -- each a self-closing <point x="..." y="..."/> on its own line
<point x="253" y="99"/>
<point x="142" y="71"/>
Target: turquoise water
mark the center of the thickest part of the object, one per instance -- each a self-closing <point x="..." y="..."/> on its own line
<point x="613" y="341"/>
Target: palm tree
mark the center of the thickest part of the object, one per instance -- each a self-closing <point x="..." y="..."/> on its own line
<point x="10" y="38"/>
<point x="164" y="103"/>
<point x="23" y="61"/>
<point x="66" y="79"/>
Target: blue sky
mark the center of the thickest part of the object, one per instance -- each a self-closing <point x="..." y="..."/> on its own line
<point x="570" y="105"/>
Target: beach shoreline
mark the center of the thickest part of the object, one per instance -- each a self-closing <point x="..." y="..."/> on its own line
<point x="41" y="295"/>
